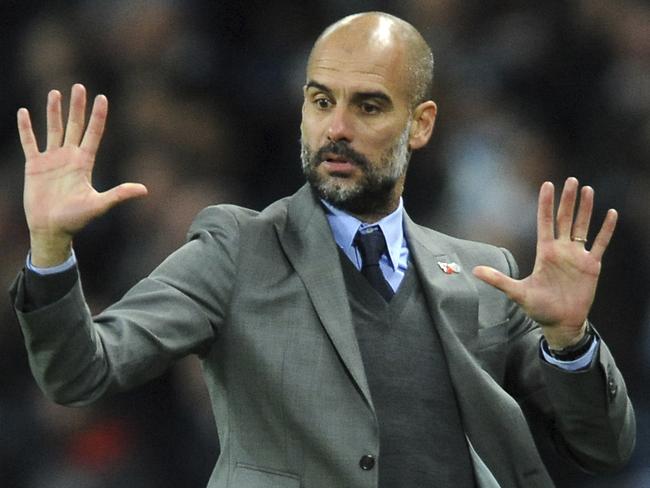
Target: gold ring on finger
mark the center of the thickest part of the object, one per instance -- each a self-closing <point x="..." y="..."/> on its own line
<point x="579" y="239"/>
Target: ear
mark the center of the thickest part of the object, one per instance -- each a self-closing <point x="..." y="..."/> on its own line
<point x="424" y="118"/>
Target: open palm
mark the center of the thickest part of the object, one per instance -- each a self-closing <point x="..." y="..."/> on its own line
<point x="59" y="198"/>
<point x="559" y="292"/>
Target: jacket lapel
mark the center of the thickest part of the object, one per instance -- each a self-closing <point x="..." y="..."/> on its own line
<point x="453" y="304"/>
<point x="486" y="410"/>
<point x="448" y="287"/>
<point x="308" y="243"/>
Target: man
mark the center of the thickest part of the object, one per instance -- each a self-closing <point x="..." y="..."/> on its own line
<point x="426" y="368"/>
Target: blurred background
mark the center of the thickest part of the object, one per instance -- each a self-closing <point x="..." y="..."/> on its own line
<point x="205" y="101"/>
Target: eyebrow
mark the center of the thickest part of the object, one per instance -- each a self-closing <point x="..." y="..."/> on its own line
<point x="357" y="97"/>
<point x="318" y="86"/>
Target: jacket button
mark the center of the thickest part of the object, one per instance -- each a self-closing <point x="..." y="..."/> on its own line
<point x="367" y="462"/>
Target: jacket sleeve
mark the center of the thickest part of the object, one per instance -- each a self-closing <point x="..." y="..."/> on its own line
<point x="177" y="310"/>
<point x="587" y="413"/>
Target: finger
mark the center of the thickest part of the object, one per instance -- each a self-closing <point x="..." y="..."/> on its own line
<point x="54" y="120"/>
<point x="95" y="130"/>
<point x="545" y="230"/>
<point x="566" y="208"/>
<point x="27" y="138"/>
<point x="583" y="217"/>
<point x="497" y="279"/>
<point x="119" y="194"/>
<point x="75" y="126"/>
<point x="604" y="235"/>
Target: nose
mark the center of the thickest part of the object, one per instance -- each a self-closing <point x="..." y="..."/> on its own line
<point x="340" y="127"/>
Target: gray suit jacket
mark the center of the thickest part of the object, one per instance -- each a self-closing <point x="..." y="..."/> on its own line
<point x="261" y="298"/>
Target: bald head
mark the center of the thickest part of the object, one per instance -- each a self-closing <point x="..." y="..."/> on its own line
<point x="383" y="30"/>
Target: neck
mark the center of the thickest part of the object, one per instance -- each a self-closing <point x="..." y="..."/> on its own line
<point x="379" y="212"/>
<point x="371" y="218"/>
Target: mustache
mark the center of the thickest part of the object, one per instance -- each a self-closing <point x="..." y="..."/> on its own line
<point x="342" y="149"/>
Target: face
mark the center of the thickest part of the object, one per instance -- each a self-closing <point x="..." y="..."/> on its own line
<point x="356" y="124"/>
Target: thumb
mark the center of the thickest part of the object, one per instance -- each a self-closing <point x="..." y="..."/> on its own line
<point x="121" y="193"/>
<point x="498" y="280"/>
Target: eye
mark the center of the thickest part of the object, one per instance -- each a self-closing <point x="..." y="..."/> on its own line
<point x="323" y="103"/>
<point x="369" y="108"/>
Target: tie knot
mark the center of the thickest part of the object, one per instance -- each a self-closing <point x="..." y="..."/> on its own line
<point x="371" y="244"/>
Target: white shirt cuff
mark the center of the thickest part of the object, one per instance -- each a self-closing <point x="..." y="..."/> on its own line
<point x="71" y="262"/>
<point x="577" y="364"/>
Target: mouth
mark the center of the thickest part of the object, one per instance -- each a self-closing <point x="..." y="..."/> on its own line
<point x="336" y="164"/>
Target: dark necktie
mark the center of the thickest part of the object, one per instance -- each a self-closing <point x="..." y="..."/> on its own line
<point x="372" y="245"/>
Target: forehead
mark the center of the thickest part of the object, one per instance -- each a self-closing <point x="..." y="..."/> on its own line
<point x="353" y="62"/>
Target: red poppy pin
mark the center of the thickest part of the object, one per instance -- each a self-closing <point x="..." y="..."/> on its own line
<point x="449" y="268"/>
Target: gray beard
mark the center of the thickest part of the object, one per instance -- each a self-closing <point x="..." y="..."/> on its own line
<point x="374" y="191"/>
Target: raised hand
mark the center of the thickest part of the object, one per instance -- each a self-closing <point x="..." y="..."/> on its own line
<point x="59" y="198"/>
<point x="561" y="289"/>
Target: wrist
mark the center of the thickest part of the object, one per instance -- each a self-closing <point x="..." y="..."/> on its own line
<point x="48" y="251"/>
<point x="572" y="351"/>
<point x="562" y="337"/>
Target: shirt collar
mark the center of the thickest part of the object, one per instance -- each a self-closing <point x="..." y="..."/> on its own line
<point x="345" y="226"/>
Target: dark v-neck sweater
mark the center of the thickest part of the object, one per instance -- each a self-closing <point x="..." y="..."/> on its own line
<point x="421" y="439"/>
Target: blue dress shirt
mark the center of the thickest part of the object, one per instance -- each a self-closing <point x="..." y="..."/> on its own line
<point x="344" y="227"/>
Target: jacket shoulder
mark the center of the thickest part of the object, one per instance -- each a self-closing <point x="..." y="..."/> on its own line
<point x="215" y="219"/>
<point x="471" y="252"/>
